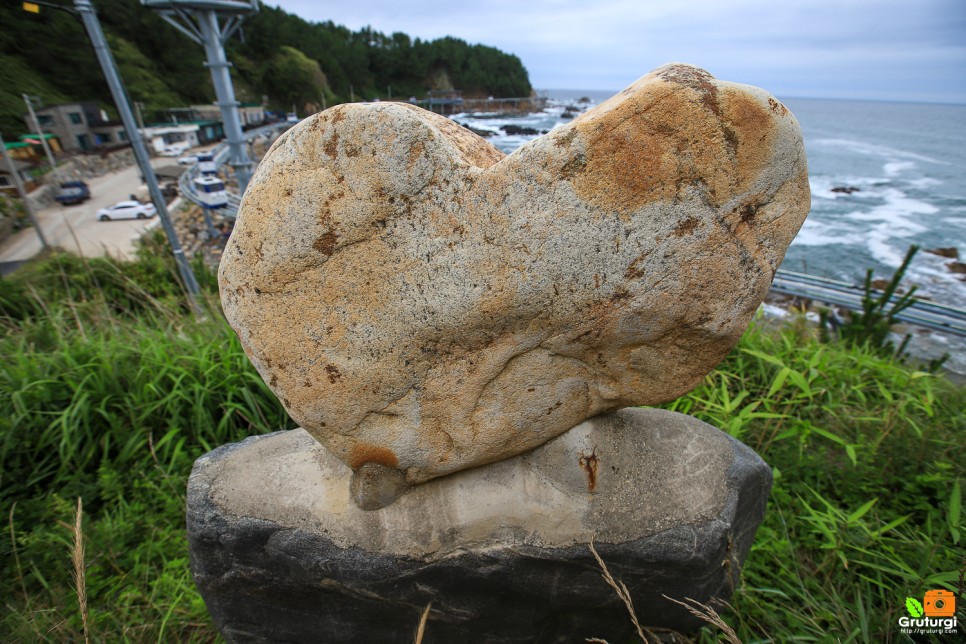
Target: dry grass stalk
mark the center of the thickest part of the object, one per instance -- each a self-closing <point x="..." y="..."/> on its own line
<point x="71" y="304"/>
<point x="422" y="623"/>
<point x="621" y="591"/>
<point x="80" y="575"/>
<point x="709" y="615"/>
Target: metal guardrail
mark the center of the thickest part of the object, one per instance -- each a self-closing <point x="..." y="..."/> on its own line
<point x="930" y="315"/>
<point x="186" y="182"/>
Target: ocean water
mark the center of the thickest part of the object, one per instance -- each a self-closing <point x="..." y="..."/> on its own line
<point x="905" y="161"/>
<point x="908" y="162"/>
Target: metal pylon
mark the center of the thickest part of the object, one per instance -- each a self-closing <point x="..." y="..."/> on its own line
<point x="211" y="23"/>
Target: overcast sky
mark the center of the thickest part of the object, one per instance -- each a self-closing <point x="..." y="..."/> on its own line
<point x="911" y="50"/>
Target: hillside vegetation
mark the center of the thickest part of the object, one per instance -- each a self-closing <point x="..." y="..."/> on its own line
<point x="281" y="56"/>
<point x="110" y="389"/>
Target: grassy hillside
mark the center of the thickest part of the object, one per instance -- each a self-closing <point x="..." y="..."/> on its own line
<point x="282" y="56"/>
<point x="109" y="389"/>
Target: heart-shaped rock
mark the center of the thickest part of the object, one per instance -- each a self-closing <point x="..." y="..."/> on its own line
<point x="421" y="302"/>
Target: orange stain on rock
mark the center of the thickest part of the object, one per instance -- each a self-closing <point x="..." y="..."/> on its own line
<point x="362" y="453"/>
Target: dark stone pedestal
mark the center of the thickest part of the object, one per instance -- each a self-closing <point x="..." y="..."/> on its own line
<point x="280" y="552"/>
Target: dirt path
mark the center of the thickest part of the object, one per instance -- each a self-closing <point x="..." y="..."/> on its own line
<point x="76" y="229"/>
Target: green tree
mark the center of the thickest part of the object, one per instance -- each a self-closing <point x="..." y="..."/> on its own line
<point x="294" y="78"/>
<point x="48" y="55"/>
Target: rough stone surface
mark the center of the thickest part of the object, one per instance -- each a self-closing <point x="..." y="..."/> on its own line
<point x="280" y="553"/>
<point x="422" y="302"/>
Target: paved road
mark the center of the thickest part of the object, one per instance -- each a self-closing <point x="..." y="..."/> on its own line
<point x="75" y="228"/>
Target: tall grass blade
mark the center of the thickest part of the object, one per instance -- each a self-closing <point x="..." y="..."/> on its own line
<point x="953" y="516"/>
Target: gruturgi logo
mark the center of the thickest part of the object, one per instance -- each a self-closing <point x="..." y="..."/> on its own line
<point x="936" y="613"/>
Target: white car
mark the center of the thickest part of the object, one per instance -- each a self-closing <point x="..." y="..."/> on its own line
<point x="126" y="210"/>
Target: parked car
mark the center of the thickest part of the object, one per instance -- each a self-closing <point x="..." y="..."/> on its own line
<point x="188" y="159"/>
<point x="126" y="210"/>
<point x="173" y="150"/>
<point x="72" y="192"/>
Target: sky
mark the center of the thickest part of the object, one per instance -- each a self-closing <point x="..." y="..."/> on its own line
<point x="911" y="50"/>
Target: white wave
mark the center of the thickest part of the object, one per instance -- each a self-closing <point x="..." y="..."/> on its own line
<point x="882" y="251"/>
<point x="898" y="219"/>
<point x="817" y="233"/>
<point x="893" y="168"/>
<point x="896" y="211"/>
<point x="875" y="149"/>
<point x="924" y="182"/>
<point x="884" y="229"/>
<point x="935" y="280"/>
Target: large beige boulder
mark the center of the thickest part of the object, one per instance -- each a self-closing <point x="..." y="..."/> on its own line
<point x="424" y="304"/>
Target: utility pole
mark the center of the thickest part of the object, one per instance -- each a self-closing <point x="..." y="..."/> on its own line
<point x="86" y="12"/>
<point x="199" y="20"/>
<point x="40" y="133"/>
<point x="214" y="42"/>
<point x="138" y="106"/>
<point x="23" y="195"/>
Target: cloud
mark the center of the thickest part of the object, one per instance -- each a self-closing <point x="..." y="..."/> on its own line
<point x="854" y="48"/>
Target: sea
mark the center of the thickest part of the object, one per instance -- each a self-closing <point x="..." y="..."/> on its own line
<point x="883" y="176"/>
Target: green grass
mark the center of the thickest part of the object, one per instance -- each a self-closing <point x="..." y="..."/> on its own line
<point x="109" y="389"/>
<point x="865" y="510"/>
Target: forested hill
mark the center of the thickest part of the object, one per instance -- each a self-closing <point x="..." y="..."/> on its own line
<point x="281" y="56"/>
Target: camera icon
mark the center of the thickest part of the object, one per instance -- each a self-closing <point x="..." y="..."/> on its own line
<point x="939" y="603"/>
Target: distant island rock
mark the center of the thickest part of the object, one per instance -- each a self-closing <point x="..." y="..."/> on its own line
<point x="514" y="130"/>
<point x="484" y="133"/>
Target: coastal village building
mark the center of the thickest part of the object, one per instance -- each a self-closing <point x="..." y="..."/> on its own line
<point x="183" y="135"/>
<point x="187" y="127"/>
<point x="7" y="184"/>
<point x="30" y="150"/>
<point x="250" y="114"/>
<point x="80" y="127"/>
<point x="27" y="154"/>
<point x="84" y="127"/>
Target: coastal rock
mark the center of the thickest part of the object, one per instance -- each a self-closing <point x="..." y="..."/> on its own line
<point x="519" y="130"/>
<point x="950" y="252"/>
<point x="280" y="553"/>
<point x="483" y="133"/>
<point x="420" y="301"/>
